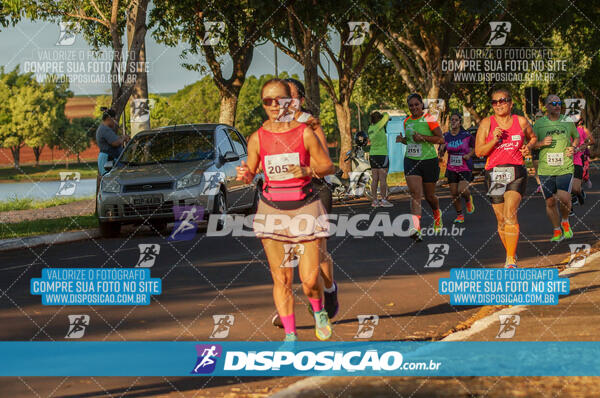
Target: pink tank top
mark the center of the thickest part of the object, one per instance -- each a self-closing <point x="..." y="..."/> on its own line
<point x="277" y="151"/>
<point x="509" y="150"/>
<point x="578" y="157"/>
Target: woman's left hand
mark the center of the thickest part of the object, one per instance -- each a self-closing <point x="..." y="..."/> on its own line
<point x="298" y="171"/>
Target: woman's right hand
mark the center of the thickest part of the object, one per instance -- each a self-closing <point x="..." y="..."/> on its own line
<point x="243" y="173"/>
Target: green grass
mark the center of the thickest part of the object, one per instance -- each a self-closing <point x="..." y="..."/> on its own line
<point x="46" y="226"/>
<point x="28" y="203"/>
<point x="47" y="172"/>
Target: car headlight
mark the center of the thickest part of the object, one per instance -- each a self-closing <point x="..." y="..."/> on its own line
<point x="189" y="180"/>
<point x="111" y="186"/>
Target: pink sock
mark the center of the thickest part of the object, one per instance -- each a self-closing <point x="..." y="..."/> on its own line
<point x="289" y="323"/>
<point x="316" y="304"/>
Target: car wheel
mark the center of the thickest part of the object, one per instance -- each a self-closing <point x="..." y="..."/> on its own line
<point x="109" y="229"/>
<point x="220" y="207"/>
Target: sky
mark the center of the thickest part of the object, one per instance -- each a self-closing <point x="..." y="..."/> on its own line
<point x="33" y="46"/>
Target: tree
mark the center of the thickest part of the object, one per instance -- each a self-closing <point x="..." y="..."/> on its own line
<point x="244" y="23"/>
<point x="299" y="36"/>
<point x="103" y="24"/>
<point x="77" y="136"/>
<point x="348" y="62"/>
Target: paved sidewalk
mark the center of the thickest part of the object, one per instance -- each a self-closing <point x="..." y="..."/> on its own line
<point x="575" y="318"/>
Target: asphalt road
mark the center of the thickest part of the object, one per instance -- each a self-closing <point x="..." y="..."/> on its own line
<point x="210" y="276"/>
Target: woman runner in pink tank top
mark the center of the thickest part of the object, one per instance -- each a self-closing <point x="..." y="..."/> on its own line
<point x="502" y="137"/>
<point x="290" y="219"/>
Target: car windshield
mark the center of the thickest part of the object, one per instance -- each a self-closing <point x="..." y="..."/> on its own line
<point x="169" y="147"/>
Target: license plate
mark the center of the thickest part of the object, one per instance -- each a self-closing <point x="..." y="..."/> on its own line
<point x="145" y="200"/>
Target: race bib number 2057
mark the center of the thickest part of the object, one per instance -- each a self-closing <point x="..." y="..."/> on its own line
<point x="276" y="166"/>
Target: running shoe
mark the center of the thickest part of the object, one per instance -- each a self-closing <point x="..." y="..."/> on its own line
<point x="510" y="262"/>
<point x="470" y="205"/>
<point x="567" y="231"/>
<point x="416" y="234"/>
<point x="459" y="219"/>
<point x="385" y="203"/>
<point x="332" y="305"/>
<point x="375" y="203"/>
<point x="557" y="237"/>
<point x="437" y="221"/>
<point x="276" y="321"/>
<point x="291" y="337"/>
<point x="322" y="325"/>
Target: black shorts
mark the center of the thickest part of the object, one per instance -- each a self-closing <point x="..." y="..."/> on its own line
<point x="379" y="161"/>
<point x="519" y="184"/>
<point x="535" y="154"/>
<point x="454" y="177"/>
<point x="324" y="193"/>
<point x="428" y="169"/>
<point x="578" y="172"/>
<point x="552" y="184"/>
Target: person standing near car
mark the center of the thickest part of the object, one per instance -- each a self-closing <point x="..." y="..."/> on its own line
<point x="378" y="157"/>
<point x="460" y="145"/>
<point x="286" y="151"/>
<point x="109" y="143"/>
<point x="421" y="165"/>
<point x="556" y="139"/>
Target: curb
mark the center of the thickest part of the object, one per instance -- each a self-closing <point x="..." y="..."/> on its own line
<point x="33" y="241"/>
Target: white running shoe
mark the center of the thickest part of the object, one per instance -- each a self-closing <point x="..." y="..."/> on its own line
<point x="385" y="203"/>
<point x="375" y="203"/>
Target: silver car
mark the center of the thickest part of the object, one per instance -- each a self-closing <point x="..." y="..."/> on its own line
<point x="185" y="165"/>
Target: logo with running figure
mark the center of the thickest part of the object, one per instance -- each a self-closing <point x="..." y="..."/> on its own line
<point x="212" y="182"/>
<point x="508" y="326"/>
<point x="148" y="254"/>
<point x="291" y="254"/>
<point x="287" y="109"/>
<point x="77" y="325"/>
<point x="186" y="222"/>
<point x="574" y="107"/>
<point x="68" y="183"/>
<point x="435" y="107"/>
<point x="141" y="109"/>
<point x="67" y="34"/>
<point x="223" y="323"/>
<point x="214" y="31"/>
<point x="366" y="326"/>
<point x="207" y="358"/>
<point x="579" y="253"/>
<point x="358" y="33"/>
<point x="499" y="33"/>
<point x="437" y="254"/>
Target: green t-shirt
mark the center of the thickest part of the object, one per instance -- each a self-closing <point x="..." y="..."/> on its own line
<point x="553" y="161"/>
<point x="378" y="137"/>
<point x="424" y="126"/>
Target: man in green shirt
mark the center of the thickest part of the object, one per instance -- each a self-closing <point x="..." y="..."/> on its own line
<point x="556" y="137"/>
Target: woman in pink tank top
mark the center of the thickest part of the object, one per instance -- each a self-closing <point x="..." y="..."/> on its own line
<point x="585" y="139"/>
<point x="290" y="219"/>
<point x="502" y="139"/>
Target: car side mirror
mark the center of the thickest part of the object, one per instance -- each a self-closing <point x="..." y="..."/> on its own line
<point x="109" y="165"/>
<point x="230" y="156"/>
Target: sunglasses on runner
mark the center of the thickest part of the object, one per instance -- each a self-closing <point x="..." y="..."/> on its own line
<point x="500" y="101"/>
<point x="269" y="101"/>
<point x="555" y="103"/>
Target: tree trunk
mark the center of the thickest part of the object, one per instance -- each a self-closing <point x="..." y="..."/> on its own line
<point x="228" y="107"/>
<point x="342" y="112"/>
<point x="311" y="79"/>
<point x="140" y="107"/>
<point x="592" y="118"/>
<point x="37" y="151"/>
<point x="16" y="154"/>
